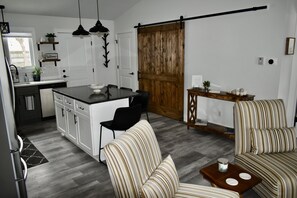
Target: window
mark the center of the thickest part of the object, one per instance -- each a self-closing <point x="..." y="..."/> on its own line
<point x="18" y="49"/>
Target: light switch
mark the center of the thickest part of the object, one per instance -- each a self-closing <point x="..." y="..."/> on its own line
<point x="261" y="61"/>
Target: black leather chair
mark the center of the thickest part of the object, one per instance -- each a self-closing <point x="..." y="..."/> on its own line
<point x="126" y="88"/>
<point x="124" y="118"/>
<point x="112" y="86"/>
<point x="143" y="99"/>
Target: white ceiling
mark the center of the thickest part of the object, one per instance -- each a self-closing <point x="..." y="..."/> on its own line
<point x="108" y="9"/>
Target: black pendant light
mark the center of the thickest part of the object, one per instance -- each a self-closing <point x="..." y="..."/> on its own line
<point x="80" y="30"/>
<point x="98" y="28"/>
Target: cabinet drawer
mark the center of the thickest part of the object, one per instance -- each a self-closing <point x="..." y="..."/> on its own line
<point x="69" y="102"/>
<point x="82" y="108"/>
<point x="58" y="98"/>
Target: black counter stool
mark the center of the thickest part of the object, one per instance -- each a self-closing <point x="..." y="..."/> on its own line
<point x="126" y="88"/>
<point x="143" y="99"/>
<point x="124" y="118"/>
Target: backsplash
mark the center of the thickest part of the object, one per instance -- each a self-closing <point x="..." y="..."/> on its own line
<point x="49" y="72"/>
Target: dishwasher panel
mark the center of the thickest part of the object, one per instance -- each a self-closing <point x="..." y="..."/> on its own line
<point x="47" y="102"/>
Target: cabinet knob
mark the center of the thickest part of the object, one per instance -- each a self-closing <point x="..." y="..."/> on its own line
<point x="64" y="76"/>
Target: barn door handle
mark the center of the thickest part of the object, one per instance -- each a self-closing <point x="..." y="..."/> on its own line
<point x="132" y="73"/>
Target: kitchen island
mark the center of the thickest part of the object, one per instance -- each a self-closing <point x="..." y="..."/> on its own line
<point x="79" y="112"/>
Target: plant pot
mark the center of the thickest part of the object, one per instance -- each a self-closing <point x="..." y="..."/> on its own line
<point x="36" y="78"/>
<point x="51" y="39"/>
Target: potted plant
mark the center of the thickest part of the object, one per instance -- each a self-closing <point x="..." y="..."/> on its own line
<point x="50" y="37"/>
<point x="206" y="85"/>
<point x="36" y="73"/>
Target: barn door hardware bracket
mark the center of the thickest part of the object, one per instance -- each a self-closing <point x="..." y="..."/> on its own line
<point x="106" y="52"/>
<point x="181" y="19"/>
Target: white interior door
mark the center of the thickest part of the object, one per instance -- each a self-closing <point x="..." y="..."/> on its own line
<point x="77" y="65"/>
<point x="126" y="75"/>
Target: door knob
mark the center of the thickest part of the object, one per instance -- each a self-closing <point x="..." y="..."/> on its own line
<point x="64" y="76"/>
<point x="132" y="73"/>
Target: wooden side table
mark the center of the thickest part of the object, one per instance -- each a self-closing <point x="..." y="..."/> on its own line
<point x="193" y="108"/>
<point x="218" y="179"/>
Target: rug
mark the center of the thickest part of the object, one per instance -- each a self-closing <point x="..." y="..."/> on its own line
<point x="31" y="154"/>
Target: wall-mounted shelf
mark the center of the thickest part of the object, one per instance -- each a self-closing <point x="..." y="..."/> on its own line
<point x="47" y="43"/>
<point x="48" y="60"/>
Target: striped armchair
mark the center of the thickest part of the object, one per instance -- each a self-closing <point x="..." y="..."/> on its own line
<point x="265" y="146"/>
<point x="136" y="168"/>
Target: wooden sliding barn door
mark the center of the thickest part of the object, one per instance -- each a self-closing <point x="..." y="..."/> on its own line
<point x="161" y="68"/>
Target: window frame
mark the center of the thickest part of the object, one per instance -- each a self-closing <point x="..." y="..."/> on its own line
<point x="21" y="34"/>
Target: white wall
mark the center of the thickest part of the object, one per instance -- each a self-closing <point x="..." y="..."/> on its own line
<point x="40" y="25"/>
<point x="225" y="49"/>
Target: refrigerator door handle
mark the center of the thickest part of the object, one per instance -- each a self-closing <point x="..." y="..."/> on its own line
<point x="21" y="143"/>
<point x="25" y="167"/>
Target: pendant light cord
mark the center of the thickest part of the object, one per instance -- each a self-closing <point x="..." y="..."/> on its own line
<point x="2" y="13"/>
<point x="97" y="9"/>
<point x="79" y="12"/>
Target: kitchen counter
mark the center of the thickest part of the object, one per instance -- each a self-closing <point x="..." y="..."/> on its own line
<point x="36" y="83"/>
<point x="79" y="112"/>
<point x="85" y="94"/>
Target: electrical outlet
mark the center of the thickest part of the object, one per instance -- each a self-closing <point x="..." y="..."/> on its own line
<point x="219" y="113"/>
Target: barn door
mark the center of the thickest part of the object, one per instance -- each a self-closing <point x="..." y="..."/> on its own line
<point x="161" y="68"/>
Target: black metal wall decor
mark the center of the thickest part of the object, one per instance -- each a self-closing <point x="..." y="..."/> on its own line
<point x="104" y="37"/>
<point x="4" y="26"/>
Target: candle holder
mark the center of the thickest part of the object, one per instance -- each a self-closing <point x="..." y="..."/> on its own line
<point x="222" y="165"/>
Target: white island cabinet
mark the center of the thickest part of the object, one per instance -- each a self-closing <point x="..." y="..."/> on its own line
<point x="80" y="121"/>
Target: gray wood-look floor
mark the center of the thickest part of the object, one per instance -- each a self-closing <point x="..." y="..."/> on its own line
<point x="70" y="172"/>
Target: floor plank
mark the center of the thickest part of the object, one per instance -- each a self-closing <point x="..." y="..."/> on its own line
<point x="71" y="172"/>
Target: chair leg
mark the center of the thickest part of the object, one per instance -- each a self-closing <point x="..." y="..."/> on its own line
<point x="100" y="148"/>
<point x="147" y="116"/>
<point x="113" y="134"/>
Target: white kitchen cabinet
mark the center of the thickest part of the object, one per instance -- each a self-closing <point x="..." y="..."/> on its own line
<point x="84" y="133"/>
<point x="82" y="121"/>
<point x="71" y="121"/>
<point x="60" y="117"/>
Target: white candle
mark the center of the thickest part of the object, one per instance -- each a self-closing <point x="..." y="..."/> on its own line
<point x="222" y="165"/>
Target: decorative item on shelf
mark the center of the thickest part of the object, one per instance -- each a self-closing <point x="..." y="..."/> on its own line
<point x="290" y="45"/>
<point x="206" y="85"/>
<point x="50" y="37"/>
<point x="4" y="26"/>
<point x="36" y="73"/>
<point x="80" y="30"/>
<point x="105" y="49"/>
<point x="98" y="28"/>
<point x="239" y="92"/>
<point x="50" y="56"/>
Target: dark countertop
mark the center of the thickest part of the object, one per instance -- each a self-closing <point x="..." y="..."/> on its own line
<point x="85" y="94"/>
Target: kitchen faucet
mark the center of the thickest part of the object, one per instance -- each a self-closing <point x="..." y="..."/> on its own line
<point x="15" y="76"/>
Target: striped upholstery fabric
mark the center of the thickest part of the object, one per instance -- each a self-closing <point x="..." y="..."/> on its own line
<point x="273" y="140"/>
<point x="192" y="190"/>
<point x="163" y="182"/>
<point x="133" y="158"/>
<point x="277" y="170"/>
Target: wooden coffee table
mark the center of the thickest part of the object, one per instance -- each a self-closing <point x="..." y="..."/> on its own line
<point x="218" y="179"/>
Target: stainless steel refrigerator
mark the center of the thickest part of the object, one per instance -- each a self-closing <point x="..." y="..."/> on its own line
<point x="13" y="169"/>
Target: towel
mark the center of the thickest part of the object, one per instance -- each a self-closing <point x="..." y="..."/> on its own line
<point x="29" y="103"/>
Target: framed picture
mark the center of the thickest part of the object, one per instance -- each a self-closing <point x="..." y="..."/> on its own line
<point x="50" y="56"/>
<point x="290" y="46"/>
